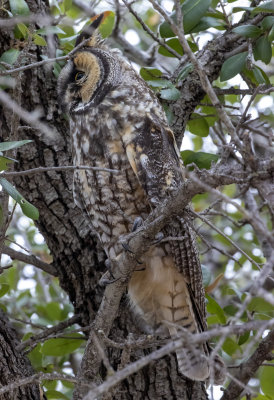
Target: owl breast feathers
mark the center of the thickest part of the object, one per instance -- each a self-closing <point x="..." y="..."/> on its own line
<point x="117" y="122"/>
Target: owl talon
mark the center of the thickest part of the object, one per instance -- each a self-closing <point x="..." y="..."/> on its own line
<point x="158" y="238"/>
<point x="127" y="248"/>
<point x="105" y="282"/>
<point x="109" y="268"/>
<point x="137" y="223"/>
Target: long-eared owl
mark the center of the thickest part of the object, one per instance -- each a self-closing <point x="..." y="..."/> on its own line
<point x="117" y="122"/>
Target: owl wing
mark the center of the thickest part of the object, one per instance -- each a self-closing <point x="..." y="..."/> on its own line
<point x="155" y="159"/>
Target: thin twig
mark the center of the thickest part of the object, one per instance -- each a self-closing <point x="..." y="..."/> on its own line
<point x="47" y="61"/>
<point x="226" y="237"/>
<point x="38" y="170"/>
<point x="150" y="32"/>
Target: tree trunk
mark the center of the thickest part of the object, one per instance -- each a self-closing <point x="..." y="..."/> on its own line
<point x="77" y="256"/>
<point x="14" y="365"/>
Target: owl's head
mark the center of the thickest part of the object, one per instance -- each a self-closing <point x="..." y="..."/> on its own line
<point x="89" y="75"/>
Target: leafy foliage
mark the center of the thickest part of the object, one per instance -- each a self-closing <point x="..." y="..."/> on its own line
<point x="48" y="304"/>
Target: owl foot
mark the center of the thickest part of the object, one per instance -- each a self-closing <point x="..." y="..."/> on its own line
<point x="104" y="281"/>
<point x="127" y="248"/>
<point x="137" y="223"/>
<point x="158" y="238"/>
<point x="109" y="268"/>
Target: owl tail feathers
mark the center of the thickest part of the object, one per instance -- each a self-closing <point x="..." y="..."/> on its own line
<point x="192" y="365"/>
<point x="195" y="364"/>
<point x="192" y="360"/>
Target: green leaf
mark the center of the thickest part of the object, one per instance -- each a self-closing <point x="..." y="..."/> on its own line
<point x="170" y="94"/>
<point x="160" y="83"/>
<point x="208" y="22"/>
<point x="4" y="288"/>
<point x="68" y="30"/>
<point x="214" y="308"/>
<point x="74" y="12"/>
<point x="243" y="338"/>
<point x="54" y="310"/>
<point x="11" y="190"/>
<point x="232" y="66"/>
<point x="267" y="22"/>
<point x="55" y="395"/>
<point x="198" y="125"/>
<point x="106" y="27"/>
<point x="230" y="310"/>
<point x="258" y="304"/>
<point x="267" y="381"/>
<point x="193" y="11"/>
<point x="176" y="45"/>
<point x="184" y="72"/>
<point x="23" y="29"/>
<point x="262" y="397"/>
<point x="207" y="275"/>
<point x="212" y="320"/>
<point x="230" y="346"/>
<point x="256" y="75"/>
<point x="4" y="146"/>
<point x="4" y="161"/>
<point x="29" y="210"/>
<point x="201" y="159"/>
<point x="50" y="30"/>
<point x="36" y="357"/>
<point x="260" y="75"/>
<point x="250" y="31"/>
<point x="19" y="7"/>
<point x="271" y="34"/>
<point x="204" y="160"/>
<point x="169" y="114"/>
<point x="10" y="56"/>
<point x="262" y="50"/>
<point x="240" y="9"/>
<point x="39" y="40"/>
<point x="149" y="73"/>
<point x="50" y="385"/>
<point x="67" y="4"/>
<point x="60" y="347"/>
<point x="268" y="6"/>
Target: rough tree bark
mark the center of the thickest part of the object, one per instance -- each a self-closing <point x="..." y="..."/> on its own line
<point x="14" y="365"/>
<point x="77" y="256"/>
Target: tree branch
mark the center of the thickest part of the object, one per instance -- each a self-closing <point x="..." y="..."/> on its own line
<point x="185" y="339"/>
<point x="33" y="260"/>
<point x="49" y="331"/>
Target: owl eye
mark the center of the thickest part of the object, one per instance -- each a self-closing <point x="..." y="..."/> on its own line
<point x="78" y="76"/>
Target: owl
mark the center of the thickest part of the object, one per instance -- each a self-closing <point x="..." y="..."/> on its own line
<point x="117" y="122"/>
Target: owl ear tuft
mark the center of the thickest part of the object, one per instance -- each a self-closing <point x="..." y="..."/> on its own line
<point x="91" y="31"/>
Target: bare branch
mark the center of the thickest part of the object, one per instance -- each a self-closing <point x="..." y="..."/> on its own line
<point x="29" y="259"/>
<point x="169" y="348"/>
<point x="49" y="331"/>
<point x="36" y="378"/>
<point x="59" y="168"/>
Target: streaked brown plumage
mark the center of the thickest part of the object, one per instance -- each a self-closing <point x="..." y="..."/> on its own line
<point x="117" y="122"/>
